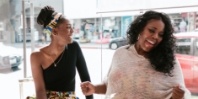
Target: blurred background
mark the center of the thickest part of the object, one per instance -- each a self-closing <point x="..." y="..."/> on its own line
<point x="99" y="27"/>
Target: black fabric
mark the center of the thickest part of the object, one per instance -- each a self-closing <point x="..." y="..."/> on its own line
<point x="62" y="77"/>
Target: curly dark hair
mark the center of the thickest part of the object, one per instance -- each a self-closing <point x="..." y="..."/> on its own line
<point x="46" y="15"/>
<point x="162" y="56"/>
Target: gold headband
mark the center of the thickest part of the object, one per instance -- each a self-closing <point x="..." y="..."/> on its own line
<point x="52" y="24"/>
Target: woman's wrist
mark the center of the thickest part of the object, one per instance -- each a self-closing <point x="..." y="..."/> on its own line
<point x="100" y="89"/>
<point x="94" y="88"/>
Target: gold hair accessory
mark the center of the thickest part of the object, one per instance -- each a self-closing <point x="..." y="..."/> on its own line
<point x="52" y="24"/>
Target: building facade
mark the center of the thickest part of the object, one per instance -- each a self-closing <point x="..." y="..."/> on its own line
<point x="102" y="19"/>
<point x="11" y="20"/>
<point x="93" y="20"/>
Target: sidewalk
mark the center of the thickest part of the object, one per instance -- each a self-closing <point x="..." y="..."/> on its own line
<point x="91" y="45"/>
<point x="94" y="45"/>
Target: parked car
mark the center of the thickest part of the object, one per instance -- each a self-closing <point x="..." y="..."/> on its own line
<point x="9" y="57"/>
<point x="187" y="54"/>
<point x="117" y="42"/>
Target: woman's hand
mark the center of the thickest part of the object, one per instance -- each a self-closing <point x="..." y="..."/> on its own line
<point x="87" y="88"/>
<point x="177" y="93"/>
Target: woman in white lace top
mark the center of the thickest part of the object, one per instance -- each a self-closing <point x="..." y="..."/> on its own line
<point x="146" y="68"/>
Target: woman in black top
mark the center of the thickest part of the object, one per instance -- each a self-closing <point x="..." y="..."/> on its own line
<point x="54" y="66"/>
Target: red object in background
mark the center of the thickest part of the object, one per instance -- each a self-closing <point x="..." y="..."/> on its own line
<point x="187" y="55"/>
<point x="184" y="15"/>
<point x="189" y="65"/>
<point x="103" y="41"/>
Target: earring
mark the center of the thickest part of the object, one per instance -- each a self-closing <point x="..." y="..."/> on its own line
<point x="138" y="37"/>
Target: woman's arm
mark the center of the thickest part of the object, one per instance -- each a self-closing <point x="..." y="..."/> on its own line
<point x="82" y="67"/>
<point x="37" y="76"/>
<point x="180" y="91"/>
<point x="88" y="88"/>
<point x="100" y="88"/>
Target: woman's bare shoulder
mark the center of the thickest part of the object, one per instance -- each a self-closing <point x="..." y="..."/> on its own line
<point x="36" y="58"/>
<point x="38" y="53"/>
<point x="35" y="53"/>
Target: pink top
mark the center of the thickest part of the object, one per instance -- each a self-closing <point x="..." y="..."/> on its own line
<point x="132" y="77"/>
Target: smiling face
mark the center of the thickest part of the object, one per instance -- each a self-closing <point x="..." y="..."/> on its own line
<point x="64" y="31"/>
<point x="150" y="37"/>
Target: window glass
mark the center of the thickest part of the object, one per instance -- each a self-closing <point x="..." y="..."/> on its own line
<point x="183" y="46"/>
<point x="196" y="47"/>
<point x="99" y="27"/>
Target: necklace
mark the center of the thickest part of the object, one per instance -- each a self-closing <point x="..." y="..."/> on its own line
<point x="55" y="63"/>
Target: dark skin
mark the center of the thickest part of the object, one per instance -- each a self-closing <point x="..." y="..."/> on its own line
<point x="61" y="36"/>
<point x="148" y="39"/>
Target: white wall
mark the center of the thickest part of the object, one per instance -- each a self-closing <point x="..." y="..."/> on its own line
<point x="80" y="8"/>
<point x="95" y="8"/>
<point x="57" y="4"/>
<point x="112" y="5"/>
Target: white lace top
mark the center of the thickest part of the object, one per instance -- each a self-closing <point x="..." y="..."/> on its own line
<point x="132" y="77"/>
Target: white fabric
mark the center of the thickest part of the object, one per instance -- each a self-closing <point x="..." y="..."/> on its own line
<point x="132" y="77"/>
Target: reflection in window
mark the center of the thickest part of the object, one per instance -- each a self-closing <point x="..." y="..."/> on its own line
<point x="183" y="46"/>
<point x="196" y="47"/>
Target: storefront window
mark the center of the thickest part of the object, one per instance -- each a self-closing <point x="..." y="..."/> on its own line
<point x="99" y="28"/>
